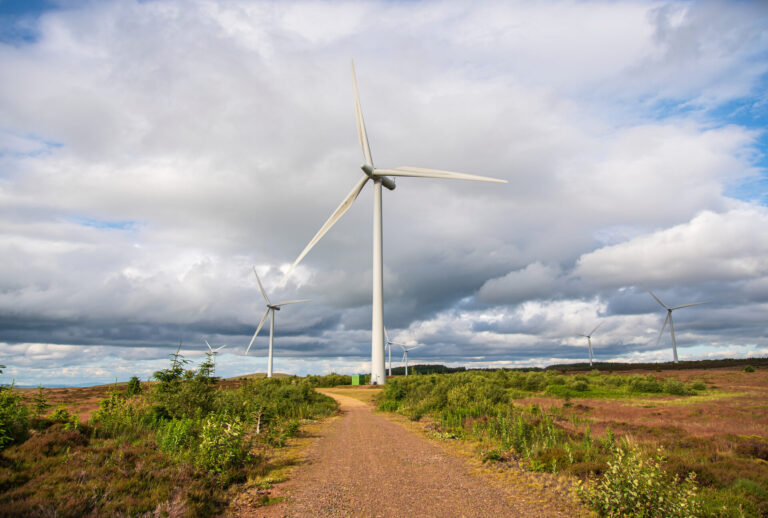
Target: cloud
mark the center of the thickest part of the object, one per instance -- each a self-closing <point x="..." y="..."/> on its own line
<point x="151" y="153"/>
<point x="711" y="247"/>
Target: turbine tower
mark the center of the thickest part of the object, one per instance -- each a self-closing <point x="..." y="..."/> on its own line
<point x="271" y="308"/>
<point x="212" y="353"/>
<point x="669" y="319"/>
<point x="380" y="177"/>
<point x="589" y="341"/>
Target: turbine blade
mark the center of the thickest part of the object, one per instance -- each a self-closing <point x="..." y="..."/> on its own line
<point x="595" y="329"/>
<point x="362" y="135"/>
<point x="219" y="349"/>
<point x="658" y="340"/>
<point x="691" y="304"/>
<point x="657" y="298"/>
<point x="386" y="336"/>
<point x="290" y="302"/>
<point x="337" y="214"/>
<point x="209" y="346"/>
<point x="260" y="286"/>
<point x="421" y="172"/>
<point x="263" y="319"/>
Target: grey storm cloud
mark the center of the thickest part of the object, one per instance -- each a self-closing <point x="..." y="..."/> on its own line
<point x="153" y="153"/>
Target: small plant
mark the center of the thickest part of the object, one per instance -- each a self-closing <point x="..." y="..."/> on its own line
<point x="61" y="415"/>
<point x="14" y="418"/>
<point x="133" y="388"/>
<point x="635" y="485"/>
<point x="40" y="403"/>
<point x="222" y="444"/>
<point x="749" y="368"/>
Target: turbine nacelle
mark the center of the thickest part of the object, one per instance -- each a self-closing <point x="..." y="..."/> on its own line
<point x="371" y="172"/>
<point x="273" y="306"/>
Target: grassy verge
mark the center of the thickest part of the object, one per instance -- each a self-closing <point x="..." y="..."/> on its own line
<point x="182" y="446"/>
<point x="730" y="472"/>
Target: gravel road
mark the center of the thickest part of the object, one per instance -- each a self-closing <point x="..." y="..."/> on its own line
<point x="366" y="465"/>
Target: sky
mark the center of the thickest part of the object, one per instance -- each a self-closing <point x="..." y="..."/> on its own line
<point x="152" y="153"/>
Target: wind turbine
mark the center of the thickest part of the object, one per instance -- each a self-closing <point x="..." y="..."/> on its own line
<point x="270" y="308"/>
<point x="389" y="348"/>
<point x="669" y="319"/>
<point x="212" y="353"/>
<point x="589" y="341"/>
<point x="380" y="177"/>
<point x="405" y="349"/>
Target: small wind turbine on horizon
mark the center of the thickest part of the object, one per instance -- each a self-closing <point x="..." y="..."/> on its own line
<point x="389" y="348"/>
<point x="212" y="353"/>
<point x="589" y="341"/>
<point x="271" y="308"/>
<point x="380" y="177"/>
<point x="405" y="349"/>
<point x="669" y="319"/>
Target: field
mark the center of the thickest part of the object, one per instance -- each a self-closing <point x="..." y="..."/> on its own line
<point x="184" y="445"/>
<point x="710" y="422"/>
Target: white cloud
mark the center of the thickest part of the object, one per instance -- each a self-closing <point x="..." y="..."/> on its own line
<point x="151" y="153"/>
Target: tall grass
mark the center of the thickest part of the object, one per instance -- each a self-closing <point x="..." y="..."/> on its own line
<point x="482" y="406"/>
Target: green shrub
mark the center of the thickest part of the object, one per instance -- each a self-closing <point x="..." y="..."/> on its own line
<point x="40" y="403"/>
<point x="635" y="485"/>
<point x="749" y="368"/>
<point x="675" y="387"/>
<point x="698" y="385"/>
<point x="176" y="435"/>
<point x="648" y="383"/>
<point x="222" y="444"/>
<point x="580" y="386"/>
<point x="133" y="388"/>
<point x="14" y="418"/>
<point x="61" y="415"/>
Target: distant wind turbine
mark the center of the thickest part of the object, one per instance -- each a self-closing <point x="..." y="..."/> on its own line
<point x="405" y="349"/>
<point x="380" y="177"/>
<point x="389" y="349"/>
<point x="270" y="308"/>
<point x="589" y="341"/>
<point x="669" y="319"/>
<point x="212" y="353"/>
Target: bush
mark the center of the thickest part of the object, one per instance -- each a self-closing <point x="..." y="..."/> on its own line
<point x="176" y="435"/>
<point x="698" y="385"/>
<point x="133" y="388"/>
<point x="749" y="368"/>
<point x="14" y="418"/>
<point x="675" y="387"/>
<point x="644" y="384"/>
<point x="637" y="486"/>
<point x="222" y="444"/>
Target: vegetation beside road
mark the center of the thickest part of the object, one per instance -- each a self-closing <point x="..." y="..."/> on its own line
<point x="182" y="445"/>
<point x="543" y="421"/>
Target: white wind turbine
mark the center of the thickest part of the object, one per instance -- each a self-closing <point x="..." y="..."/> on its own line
<point x="589" y="341"/>
<point x="669" y="319"/>
<point x="380" y="177"/>
<point x="212" y="353"/>
<point x="270" y="308"/>
<point x="405" y="349"/>
<point x="389" y="349"/>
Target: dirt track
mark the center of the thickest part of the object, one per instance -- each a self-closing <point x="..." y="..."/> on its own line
<point x="366" y="465"/>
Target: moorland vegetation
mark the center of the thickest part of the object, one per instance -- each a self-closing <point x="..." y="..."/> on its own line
<point x="180" y="445"/>
<point x="529" y="419"/>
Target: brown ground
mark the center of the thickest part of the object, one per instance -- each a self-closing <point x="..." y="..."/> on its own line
<point x="365" y="464"/>
<point x="738" y="405"/>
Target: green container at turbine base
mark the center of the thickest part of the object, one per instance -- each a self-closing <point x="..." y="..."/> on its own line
<point x="358" y="379"/>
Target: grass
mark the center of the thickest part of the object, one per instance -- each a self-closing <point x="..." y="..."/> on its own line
<point x="573" y="423"/>
<point x="184" y="446"/>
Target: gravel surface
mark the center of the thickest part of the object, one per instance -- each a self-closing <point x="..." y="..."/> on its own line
<point x="366" y="465"/>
